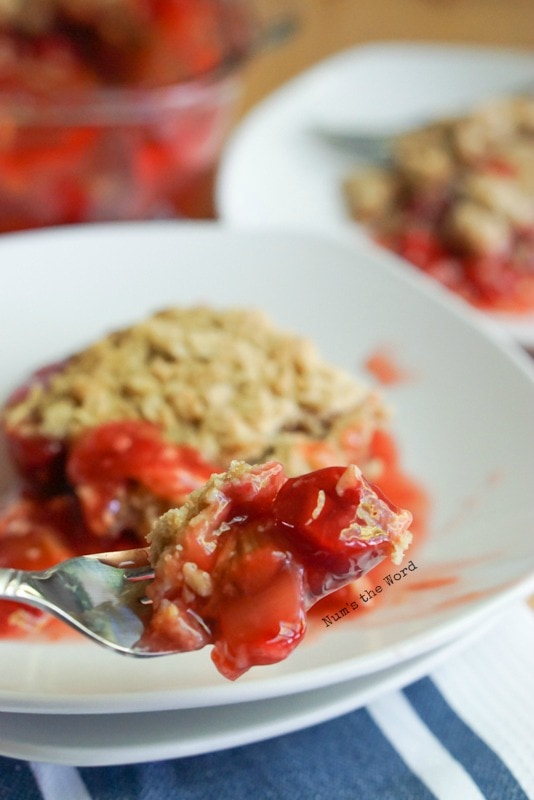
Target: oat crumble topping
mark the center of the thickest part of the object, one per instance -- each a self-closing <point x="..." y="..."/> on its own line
<point x="226" y="382"/>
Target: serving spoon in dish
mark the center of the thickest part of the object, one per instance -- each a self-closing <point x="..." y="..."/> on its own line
<point x="103" y="596"/>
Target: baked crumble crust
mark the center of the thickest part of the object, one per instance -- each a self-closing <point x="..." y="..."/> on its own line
<point x="226" y="382"/>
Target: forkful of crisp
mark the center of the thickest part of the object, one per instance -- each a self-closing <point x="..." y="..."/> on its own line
<point x="237" y="566"/>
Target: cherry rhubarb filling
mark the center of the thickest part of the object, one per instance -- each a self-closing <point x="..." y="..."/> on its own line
<point x="242" y="561"/>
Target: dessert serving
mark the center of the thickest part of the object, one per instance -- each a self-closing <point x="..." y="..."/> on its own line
<point x="457" y="201"/>
<point x="228" y="442"/>
<point x="166" y="402"/>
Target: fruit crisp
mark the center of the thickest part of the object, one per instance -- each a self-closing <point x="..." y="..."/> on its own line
<point x="457" y="201"/>
<point x="225" y="382"/>
<point x="116" y="435"/>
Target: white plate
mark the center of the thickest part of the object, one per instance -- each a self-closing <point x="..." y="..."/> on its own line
<point x="100" y="740"/>
<point x="465" y="424"/>
<point x="277" y="171"/>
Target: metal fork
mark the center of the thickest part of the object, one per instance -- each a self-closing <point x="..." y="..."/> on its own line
<point x="102" y="596"/>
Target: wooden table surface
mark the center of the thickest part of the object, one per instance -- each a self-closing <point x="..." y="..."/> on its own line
<point x="325" y="27"/>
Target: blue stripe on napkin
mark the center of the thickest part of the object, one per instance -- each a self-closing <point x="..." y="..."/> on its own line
<point x="345" y="758"/>
<point x="485" y="767"/>
<point x="17" y="781"/>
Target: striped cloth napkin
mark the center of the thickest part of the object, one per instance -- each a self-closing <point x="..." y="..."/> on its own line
<point x="464" y="732"/>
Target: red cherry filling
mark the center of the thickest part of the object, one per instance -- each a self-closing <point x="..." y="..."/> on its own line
<point x="125" y="471"/>
<point x="341" y="523"/>
<point x="319" y="505"/>
<point x="265" y="619"/>
<point x="499" y="282"/>
<point x="39" y="460"/>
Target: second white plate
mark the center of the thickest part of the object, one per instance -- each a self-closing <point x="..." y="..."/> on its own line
<point x="277" y="171"/>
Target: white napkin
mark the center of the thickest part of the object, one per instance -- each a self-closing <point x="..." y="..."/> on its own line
<point x="490" y="689"/>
